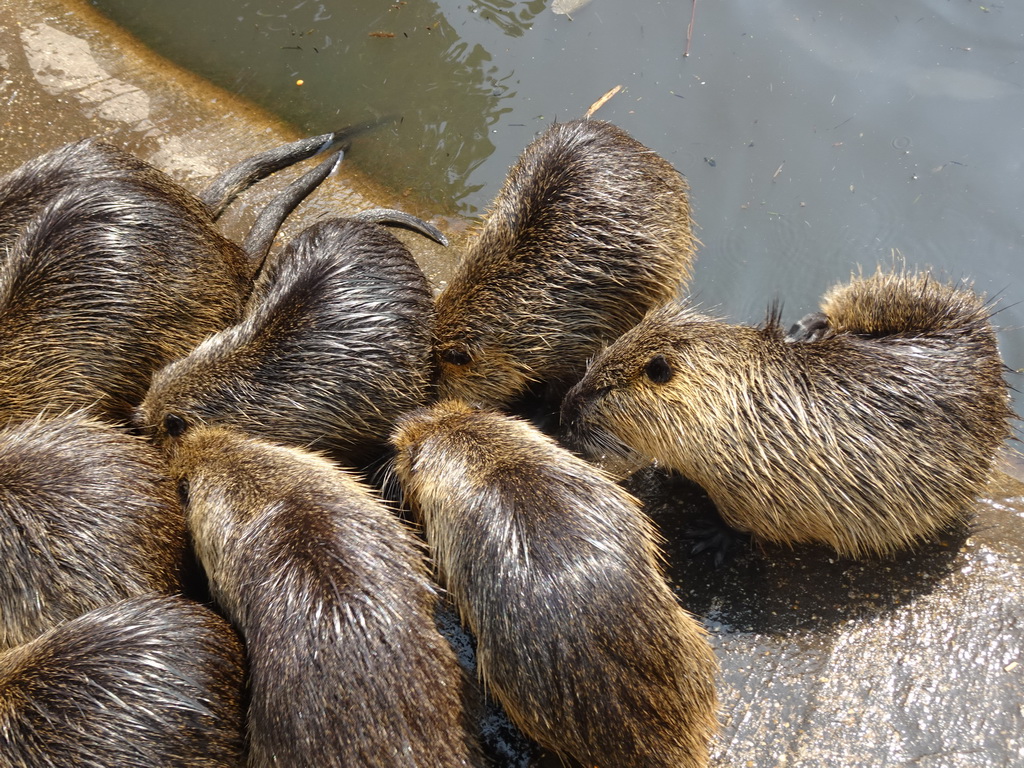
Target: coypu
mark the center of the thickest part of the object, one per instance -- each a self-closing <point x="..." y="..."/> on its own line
<point x="334" y="345"/>
<point x="876" y="431"/>
<point x="147" y="681"/>
<point x="590" y="230"/>
<point x="557" y="571"/>
<point x="87" y="516"/>
<point x="329" y="590"/>
<point x="110" y="271"/>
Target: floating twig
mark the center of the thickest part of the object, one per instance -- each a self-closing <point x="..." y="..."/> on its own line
<point x="689" y="29"/>
<point x="600" y="102"/>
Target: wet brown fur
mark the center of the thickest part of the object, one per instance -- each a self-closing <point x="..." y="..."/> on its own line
<point x="868" y="439"/>
<point x="330" y="593"/>
<point x="148" y="681"/>
<point x="108" y="270"/>
<point x="590" y="230"/>
<point x="334" y="345"/>
<point x="87" y="516"/>
<point x="557" y="572"/>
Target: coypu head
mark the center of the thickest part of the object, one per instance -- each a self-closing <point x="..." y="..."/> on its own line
<point x="590" y="230"/>
<point x="480" y="369"/>
<point x="658" y="381"/>
<point x="194" y="390"/>
<point x="334" y="344"/>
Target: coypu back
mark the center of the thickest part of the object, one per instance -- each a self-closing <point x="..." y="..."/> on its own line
<point x="107" y="280"/>
<point x="147" y="681"/>
<point x="866" y="440"/>
<point x="590" y="230"/>
<point x="557" y="572"/>
<point x="329" y="590"/>
<point x="334" y="345"/>
<point x="898" y="303"/>
<point x="87" y="516"/>
<point x="29" y="187"/>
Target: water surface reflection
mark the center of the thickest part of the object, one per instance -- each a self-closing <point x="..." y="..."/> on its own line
<point x="816" y="138"/>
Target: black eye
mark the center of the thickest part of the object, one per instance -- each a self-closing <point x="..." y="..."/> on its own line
<point x="456" y="356"/>
<point x="658" y="369"/>
<point x="183" y="491"/>
<point x="175" y="425"/>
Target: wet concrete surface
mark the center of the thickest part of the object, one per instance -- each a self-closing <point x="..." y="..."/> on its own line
<point x="911" y="661"/>
<point x="66" y="73"/>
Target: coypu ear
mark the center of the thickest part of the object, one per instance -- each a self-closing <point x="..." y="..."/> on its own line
<point x="658" y="370"/>
<point x="175" y="425"/>
<point x="456" y="356"/>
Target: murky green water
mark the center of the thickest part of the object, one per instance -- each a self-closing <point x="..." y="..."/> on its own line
<point x="816" y="137"/>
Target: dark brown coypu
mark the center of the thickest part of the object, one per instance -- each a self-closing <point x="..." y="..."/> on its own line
<point x="557" y="572"/>
<point x="590" y="230"/>
<point x="148" y="681"/>
<point x="27" y="189"/>
<point x="108" y="271"/>
<point x="873" y="434"/>
<point x="333" y="346"/>
<point x="329" y="591"/>
<point x="88" y="516"/>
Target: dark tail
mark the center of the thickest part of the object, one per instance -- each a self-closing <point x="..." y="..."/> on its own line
<point x="222" y="191"/>
<point x="264" y="229"/>
<point x="398" y="218"/>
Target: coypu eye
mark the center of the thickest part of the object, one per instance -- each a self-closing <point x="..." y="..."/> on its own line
<point x="183" y="492"/>
<point x="175" y="425"/>
<point x="658" y="370"/>
<point x="456" y="356"/>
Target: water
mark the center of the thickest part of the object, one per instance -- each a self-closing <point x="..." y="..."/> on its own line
<point x="817" y="138"/>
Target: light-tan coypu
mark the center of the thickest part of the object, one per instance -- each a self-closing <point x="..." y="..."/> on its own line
<point x="88" y="516"/>
<point x="557" y="571"/>
<point x="874" y="433"/>
<point x="333" y="346"/>
<point x="143" y="682"/>
<point x="590" y="230"/>
<point x="330" y="593"/>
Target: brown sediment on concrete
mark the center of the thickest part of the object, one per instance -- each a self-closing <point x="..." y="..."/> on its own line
<point x="67" y="72"/>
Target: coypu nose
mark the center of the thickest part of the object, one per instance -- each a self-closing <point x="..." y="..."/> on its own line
<point x="577" y="406"/>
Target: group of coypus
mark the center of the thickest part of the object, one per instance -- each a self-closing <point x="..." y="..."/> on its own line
<point x="200" y="570"/>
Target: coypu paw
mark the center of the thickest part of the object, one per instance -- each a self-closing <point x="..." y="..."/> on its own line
<point x="810" y="327"/>
<point x="711" y="534"/>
